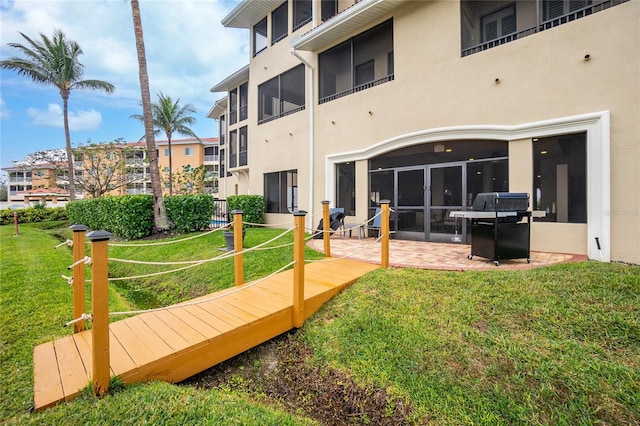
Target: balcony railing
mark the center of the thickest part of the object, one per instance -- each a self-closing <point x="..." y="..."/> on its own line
<point x="551" y="23"/>
<point x="356" y="89"/>
<point x="19" y="179"/>
<point x="211" y="158"/>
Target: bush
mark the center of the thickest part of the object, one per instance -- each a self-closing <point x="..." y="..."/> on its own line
<point x="33" y="214"/>
<point x="189" y="212"/>
<point x="128" y="216"/>
<point x="131" y="216"/>
<point x="252" y="207"/>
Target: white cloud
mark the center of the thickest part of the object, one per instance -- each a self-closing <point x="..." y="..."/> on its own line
<point x="188" y="50"/>
<point x="4" y="111"/>
<point x="53" y="116"/>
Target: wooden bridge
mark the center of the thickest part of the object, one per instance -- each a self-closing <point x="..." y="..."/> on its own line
<point x="179" y="341"/>
<point x="176" y="343"/>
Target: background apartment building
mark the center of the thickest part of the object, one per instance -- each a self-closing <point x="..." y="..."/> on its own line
<point x="427" y="103"/>
<point x="30" y="181"/>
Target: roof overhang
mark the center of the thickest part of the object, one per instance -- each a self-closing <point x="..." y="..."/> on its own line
<point x="344" y="23"/>
<point x="232" y="81"/>
<point x="248" y="12"/>
<point x="218" y="109"/>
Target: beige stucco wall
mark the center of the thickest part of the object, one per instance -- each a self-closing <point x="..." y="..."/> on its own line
<point x="541" y="77"/>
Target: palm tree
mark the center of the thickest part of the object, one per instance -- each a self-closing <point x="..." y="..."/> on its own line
<point x="54" y="61"/>
<point x="159" y="212"/>
<point x="170" y="118"/>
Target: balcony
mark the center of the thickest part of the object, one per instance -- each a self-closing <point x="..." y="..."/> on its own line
<point x="19" y="179"/>
<point x="533" y="16"/>
<point x="135" y="161"/>
<point x="211" y="158"/>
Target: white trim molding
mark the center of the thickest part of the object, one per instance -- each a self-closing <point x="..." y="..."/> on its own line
<point x="595" y="124"/>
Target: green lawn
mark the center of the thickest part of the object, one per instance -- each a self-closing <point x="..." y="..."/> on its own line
<point x="556" y="345"/>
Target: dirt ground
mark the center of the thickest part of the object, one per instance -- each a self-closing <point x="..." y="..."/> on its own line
<point x="279" y="373"/>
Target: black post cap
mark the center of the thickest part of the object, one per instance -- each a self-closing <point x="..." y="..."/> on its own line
<point x="96" y="236"/>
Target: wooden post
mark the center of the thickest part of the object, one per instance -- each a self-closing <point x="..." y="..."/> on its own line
<point x="78" y="275"/>
<point x="298" y="268"/>
<point x="384" y="229"/>
<point x="15" y="222"/>
<point x="100" y="310"/>
<point x="326" y="225"/>
<point x="238" y="261"/>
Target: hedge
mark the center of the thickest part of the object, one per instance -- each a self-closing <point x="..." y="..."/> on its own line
<point x="33" y="214"/>
<point x="131" y="216"/>
<point x="252" y="207"/>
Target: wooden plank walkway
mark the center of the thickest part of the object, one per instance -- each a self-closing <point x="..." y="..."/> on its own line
<point x="176" y="343"/>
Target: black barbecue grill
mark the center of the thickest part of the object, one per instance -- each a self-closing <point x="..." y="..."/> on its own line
<point x="498" y="231"/>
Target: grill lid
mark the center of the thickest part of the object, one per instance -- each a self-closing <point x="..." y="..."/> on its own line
<point x="501" y="202"/>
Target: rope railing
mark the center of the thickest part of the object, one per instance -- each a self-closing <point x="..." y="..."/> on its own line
<point x="86" y="260"/>
<point x="202" y="261"/>
<point x="83" y="317"/>
<point x="65" y="243"/>
<point x="200" y="301"/>
<point x="162" y="243"/>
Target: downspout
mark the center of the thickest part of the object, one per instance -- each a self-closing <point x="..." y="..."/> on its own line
<point x="311" y="135"/>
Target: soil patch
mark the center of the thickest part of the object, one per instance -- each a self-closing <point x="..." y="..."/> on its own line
<point x="280" y="371"/>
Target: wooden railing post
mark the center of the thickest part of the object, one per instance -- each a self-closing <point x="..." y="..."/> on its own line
<point x="298" y="268"/>
<point x="326" y="226"/>
<point x="385" y="230"/>
<point x="100" y="310"/>
<point x="78" y="275"/>
<point x="238" y="261"/>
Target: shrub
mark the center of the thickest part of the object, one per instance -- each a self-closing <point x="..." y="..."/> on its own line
<point x="131" y="216"/>
<point x="252" y="207"/>
<point x="33" y="214"/>
<point x="189" y="212"/>
<point x="128" y="216"/>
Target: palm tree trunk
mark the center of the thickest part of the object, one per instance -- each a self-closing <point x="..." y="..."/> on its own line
<point x="67" y="136"/>
<point x="159" y="212"/>
<point x="170" y="167"/>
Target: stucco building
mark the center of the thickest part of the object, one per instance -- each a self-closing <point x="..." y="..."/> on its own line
<point x="427" y="103"/>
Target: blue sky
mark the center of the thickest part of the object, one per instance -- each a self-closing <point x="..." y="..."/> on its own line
<point x="188" y="51"/>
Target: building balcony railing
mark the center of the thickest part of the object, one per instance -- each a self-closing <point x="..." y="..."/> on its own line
<point x="211" y="158"/>
<point x="546" y="25"/>
<point x="19" y="179"/>
<point x="356" y="89"/>
<point x="139" y="191"/>
<point x="135" y="161"/>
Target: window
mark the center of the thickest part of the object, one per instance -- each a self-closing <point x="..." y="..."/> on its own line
<point x="222" y="130"/>
<point x="166" y="170"/>
<point x="499" y="24"/>
<point x="223" y="169"/>
<point x="233" y="149"/>
<point x="233" y="106"/>
<point x="560" y="178"/>
<point x="301" y="13"/>
<point x="166" y="152"/>
<point x="243" y="152"/>
<point x="282" y="95"/>
<point x="244" y="100"/>
<point x="260" y="36"/>
<point x="328" y="9"/>
<point x="279" y="24"/>
<point x="281" y="191"/>
<point x="556" y="8"/>
<point x="358" y="63"/>
<point x="188" y="152"/>
<point x="346" y="187"/>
